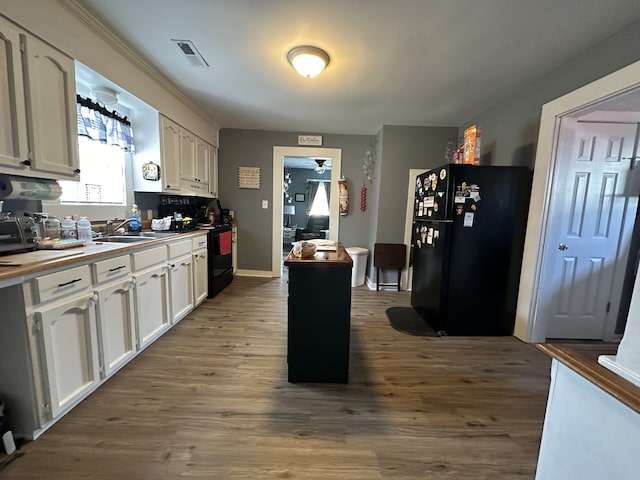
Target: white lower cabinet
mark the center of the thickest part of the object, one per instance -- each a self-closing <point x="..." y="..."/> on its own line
<point x="151" y="292"/>
<point x="200" y="276"/>
<point x="70" y="349"/>
<point x="113" y="284"/>
<point x="116" y="319"/>
<point x="181" y="285"/>
<point x="65" y="331"/>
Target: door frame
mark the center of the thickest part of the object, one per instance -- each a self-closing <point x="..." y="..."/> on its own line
<point x="529" y="326"/>
<point x="407" y="273"/>
<point x="279" y="153"/>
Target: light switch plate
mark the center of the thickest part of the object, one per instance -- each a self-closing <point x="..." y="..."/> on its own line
<point x="265" y="203"/>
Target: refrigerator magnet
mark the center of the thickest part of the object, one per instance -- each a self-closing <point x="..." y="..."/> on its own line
<point x="459" y="209"/>
<point x="468" y="219"/>
<point x="459" y="198"/>
<point x="435" y="206"/>
<point x="443" y="174"/>
<point x="436" y="233"/>
<point x="428" y="202"/>
<point x="430" y="237"/>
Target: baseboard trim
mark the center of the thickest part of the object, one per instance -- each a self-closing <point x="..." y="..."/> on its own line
<point x="254" y="273"/>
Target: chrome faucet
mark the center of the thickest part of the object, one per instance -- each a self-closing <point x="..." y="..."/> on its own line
<point x="111" y="229"/>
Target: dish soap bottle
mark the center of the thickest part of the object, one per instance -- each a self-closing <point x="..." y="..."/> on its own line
<point x="84" y="230"/>
<point x="134" y="220"/>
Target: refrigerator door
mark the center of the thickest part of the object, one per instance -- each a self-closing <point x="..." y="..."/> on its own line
<point x="431" y="271"/>
<point x="487" y="237"/>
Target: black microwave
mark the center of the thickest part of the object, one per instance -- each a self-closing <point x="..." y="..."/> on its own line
<point x="17" y="234"/>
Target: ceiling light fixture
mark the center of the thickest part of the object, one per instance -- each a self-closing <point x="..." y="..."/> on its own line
<point x="320" y="168"/>
<point x="105" y="96"/>
<point x="307" y="60"/>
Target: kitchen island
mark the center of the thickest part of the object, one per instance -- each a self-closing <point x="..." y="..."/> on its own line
<point x="319" y="317"/>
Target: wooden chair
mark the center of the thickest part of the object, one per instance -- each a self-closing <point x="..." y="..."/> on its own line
<point x="389" y="256"/>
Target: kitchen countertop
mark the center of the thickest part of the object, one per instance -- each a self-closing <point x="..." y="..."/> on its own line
<point x="15" y="267"/>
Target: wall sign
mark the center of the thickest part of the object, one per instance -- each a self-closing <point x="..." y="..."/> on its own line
<point x="315" y="140"/>
<point x="249" y="177"/>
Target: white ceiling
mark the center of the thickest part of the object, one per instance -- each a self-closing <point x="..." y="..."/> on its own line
<point x="393" y="62"/>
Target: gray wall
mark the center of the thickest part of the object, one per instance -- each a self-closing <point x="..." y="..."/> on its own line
<point x="510" y="128"/>
<point x="254" y="148"/>
<point x="401" y="149"/>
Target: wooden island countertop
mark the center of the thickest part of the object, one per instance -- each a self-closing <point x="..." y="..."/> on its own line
<point x="337" y="258"/>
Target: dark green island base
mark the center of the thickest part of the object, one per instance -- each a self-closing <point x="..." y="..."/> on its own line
<point x="319" y="317"/>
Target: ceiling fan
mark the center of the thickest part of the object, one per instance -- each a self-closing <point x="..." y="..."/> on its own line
<point x="320" y="168"/>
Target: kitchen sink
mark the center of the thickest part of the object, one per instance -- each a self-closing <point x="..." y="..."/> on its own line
<point x="124" y="239"/>
<point x="158" y="234"/>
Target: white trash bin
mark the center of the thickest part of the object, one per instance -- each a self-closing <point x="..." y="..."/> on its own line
<point x="359" y="257"/>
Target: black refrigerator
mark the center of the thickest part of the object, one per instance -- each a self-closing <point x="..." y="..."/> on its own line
<point x="468" y="236"/>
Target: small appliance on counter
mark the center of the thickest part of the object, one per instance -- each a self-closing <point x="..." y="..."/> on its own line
<point x="17" y="234"/>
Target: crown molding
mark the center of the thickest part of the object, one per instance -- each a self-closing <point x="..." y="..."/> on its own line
<point x="130" y="54"/>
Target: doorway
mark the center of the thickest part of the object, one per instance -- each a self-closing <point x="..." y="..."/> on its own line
<point x="617" y="94"/>
<point x="280" y="154"/>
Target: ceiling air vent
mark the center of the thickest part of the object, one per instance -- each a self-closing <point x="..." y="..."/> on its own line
<point x="190" y="52"/>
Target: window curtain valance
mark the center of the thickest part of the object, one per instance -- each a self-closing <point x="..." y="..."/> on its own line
<point x="97" y="123"/>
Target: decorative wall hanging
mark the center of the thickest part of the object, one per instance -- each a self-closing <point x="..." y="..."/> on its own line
<point x="249" y="177"/>
<point x="151" y="171"/>
<point x="367" y="169"/>
<point x="285" y="186"/>
<point x="343" y="196"/>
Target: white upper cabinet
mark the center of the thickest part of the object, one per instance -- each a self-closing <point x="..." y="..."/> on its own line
<point x="37" y="107"/>
<point x="194" y="164"/>
<point x="187" y="155"/>
<point x="170" y="151"/>
<point x="13" y="131"/>
<point x="51" y="100"/>
<point x="202" y="161"/>
<point x="213" y="171"/>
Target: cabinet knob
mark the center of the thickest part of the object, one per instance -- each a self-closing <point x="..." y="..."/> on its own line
<point x="26" y="163"/>
<point x="76" y="171"/>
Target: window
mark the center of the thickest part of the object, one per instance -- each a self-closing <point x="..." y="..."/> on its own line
<point x="320" y="205"/>
<point x="102" y="177"/>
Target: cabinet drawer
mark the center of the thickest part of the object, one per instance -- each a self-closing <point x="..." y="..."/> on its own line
<point x="179" y="248"/>
<point x="147" y="258"/>
<point x="112" y="268"/>
<point x="199" y="242"/>
<point x="56" y="285"/>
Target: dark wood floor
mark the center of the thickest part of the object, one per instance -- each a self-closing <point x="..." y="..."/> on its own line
<point x="210" y="399"/>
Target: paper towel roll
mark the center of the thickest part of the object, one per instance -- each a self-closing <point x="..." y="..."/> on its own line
<point x="14" y="187"/>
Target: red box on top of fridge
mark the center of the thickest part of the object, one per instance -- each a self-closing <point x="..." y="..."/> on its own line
<point x="471" y="155"/>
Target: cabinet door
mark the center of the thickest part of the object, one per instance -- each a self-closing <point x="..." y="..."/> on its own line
<point x="187" y="155"/>
<point x="151" y="295"/>
<point x="70" y="350"/>
<point x="51" y="109"/>
<point x="117" y="338"/>
<point x="13" y="124"/>
<point x="202" y="161"/>
<point x="200" y="276"/>
<point x="213" y="171"/>
<point x="181" y="284"/>
<point x="170" y="151"/>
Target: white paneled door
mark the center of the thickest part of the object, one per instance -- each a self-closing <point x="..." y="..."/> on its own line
<point x="587" y="242"/>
